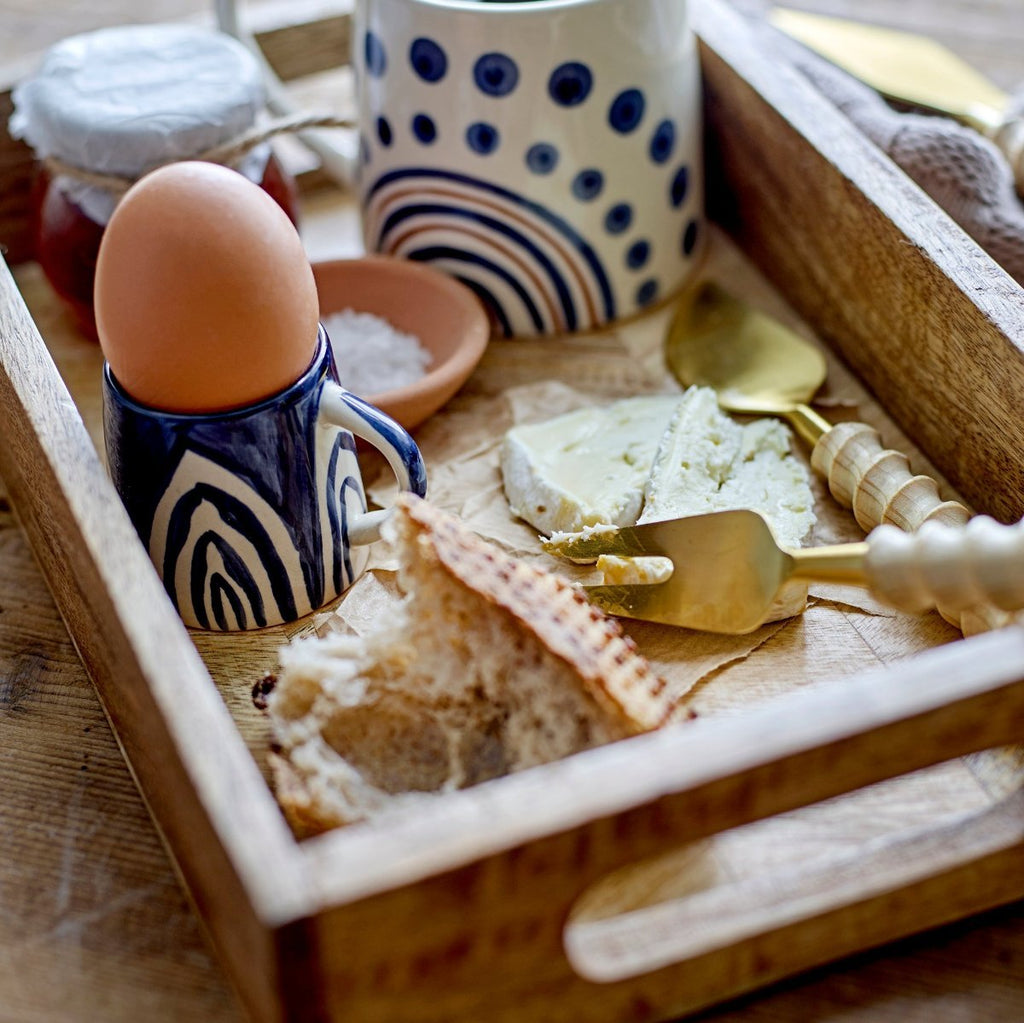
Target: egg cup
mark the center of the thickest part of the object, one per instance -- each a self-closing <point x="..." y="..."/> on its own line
<point x="255" y="516"/>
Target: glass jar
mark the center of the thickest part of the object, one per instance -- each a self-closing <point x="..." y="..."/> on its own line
<point x="118" y="102"/>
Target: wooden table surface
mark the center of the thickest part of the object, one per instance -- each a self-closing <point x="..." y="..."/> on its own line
<point x="93" y="923"/>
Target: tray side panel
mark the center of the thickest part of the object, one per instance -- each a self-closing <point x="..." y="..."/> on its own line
<point x="216" y="814"/>
<point x="927" y="320"/>
<point x="449" y="951"/>
<point x="461" y="911"/>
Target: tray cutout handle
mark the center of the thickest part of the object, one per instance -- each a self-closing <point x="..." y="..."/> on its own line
<point x="865" y="896"/>
<point x="498" y="870"/>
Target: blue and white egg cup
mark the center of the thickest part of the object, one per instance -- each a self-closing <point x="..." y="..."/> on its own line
<point x="255" y="516"/>
<point x="545" y="152"/>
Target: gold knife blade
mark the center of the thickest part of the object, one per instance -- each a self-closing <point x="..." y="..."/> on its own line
<point x="904" y="67"/>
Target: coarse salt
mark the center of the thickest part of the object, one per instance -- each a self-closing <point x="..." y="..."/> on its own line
<point x="371" y="355"/>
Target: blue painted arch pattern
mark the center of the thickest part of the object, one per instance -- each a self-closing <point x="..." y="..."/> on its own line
<point x="544" y="262"/>
<point x="531" y="265"/>
<point x="246" y="514"/>
<point x="229" y="559"/>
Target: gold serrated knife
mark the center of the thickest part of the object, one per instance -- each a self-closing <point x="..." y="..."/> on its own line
<point x="914" y="71"/>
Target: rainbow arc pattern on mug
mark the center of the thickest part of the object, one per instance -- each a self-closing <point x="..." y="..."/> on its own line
<point x="527" y="263"/>
<point x="550" y="247"/>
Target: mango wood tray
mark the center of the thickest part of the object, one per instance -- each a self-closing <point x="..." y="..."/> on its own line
<point x="526" y="898"/>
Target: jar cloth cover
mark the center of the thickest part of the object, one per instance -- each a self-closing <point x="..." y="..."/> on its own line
<point x="119" y="102"/>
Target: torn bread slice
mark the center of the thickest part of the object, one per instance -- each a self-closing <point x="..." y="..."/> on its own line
<point x="488" y="665"/>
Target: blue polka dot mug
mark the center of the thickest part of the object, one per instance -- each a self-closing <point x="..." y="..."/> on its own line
<point x="545" y="152"/>
<point x="255" y="516"/>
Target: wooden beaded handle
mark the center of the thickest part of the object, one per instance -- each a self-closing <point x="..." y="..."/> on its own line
<point x="1010" y="139"/>
<point x="958" y="568"/>
<point x="877" y="485"/>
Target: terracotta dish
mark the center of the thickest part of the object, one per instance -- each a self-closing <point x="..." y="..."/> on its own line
<point x="444" y="314"/>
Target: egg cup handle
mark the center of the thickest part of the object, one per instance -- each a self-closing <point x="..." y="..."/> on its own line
<point x="347" y="410"/>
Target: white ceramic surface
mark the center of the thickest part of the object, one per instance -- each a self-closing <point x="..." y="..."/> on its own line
<point x="546" y="152"/>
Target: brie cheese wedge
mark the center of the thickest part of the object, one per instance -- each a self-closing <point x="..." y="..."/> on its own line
<point x="653" y="457"/>
<point x="586" y="467"/>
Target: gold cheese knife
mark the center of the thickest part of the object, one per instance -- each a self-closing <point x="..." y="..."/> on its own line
<point x="728" y="571"/>
<point x="914" y="71"/>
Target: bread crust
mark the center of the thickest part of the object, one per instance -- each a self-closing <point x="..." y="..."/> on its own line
<point x="489" y="665"/>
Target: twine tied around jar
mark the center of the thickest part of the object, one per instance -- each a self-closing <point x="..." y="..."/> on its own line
<point x="227" y="153"/>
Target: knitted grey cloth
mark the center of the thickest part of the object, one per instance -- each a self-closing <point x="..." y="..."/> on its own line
<point x="959" y="168"/>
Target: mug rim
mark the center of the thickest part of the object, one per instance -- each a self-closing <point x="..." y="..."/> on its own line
<point x="319" y="366"/>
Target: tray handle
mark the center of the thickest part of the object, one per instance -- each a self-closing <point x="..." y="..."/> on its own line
<point x="891" y="886"/>
<point x="880" y="890"/>
<point x="495" y="935"/>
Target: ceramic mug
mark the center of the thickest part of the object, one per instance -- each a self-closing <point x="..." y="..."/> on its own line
<point x="255" y="516"/>
<point x="545" y="152"/>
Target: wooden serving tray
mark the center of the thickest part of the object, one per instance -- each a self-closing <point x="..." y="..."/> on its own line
<point x="594" y="888"/>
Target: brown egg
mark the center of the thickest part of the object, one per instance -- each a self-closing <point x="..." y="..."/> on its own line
<point x="205" y="299"/>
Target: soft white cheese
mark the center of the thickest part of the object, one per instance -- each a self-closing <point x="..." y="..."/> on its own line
<point x="649" y="458"/>
<point x="585" y="467"/>
<point x="707" y="462"/>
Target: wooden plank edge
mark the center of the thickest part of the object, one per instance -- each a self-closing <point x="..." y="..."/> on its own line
<point x="301" y="37"/>
<point x="497" y="869"/>
<point x="215" y="812"/>
<point x="923" y="316"/>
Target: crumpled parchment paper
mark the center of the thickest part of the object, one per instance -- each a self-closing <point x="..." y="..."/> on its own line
<point x="844" y="629"/>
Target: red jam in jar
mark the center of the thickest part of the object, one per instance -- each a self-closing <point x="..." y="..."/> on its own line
<point x="116" y="103"/>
